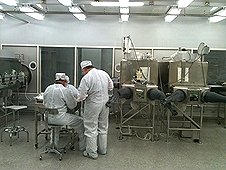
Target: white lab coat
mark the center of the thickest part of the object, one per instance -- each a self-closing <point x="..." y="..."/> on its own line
<point x="73" y="90"/>
<point x="58" y="97"/>
<point x="94" y="88"/>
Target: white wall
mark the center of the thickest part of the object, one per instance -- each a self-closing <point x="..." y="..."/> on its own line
<point x="107" y="31"/>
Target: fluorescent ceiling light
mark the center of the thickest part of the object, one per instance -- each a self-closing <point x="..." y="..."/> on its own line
<point x="40" y="6"/>
<point x="124" y="10"/>
<point x="74" y="9"/>
<point x="174" y="11"/>
<point x="65" y="2"/>
<point x="124" y="3"/>
<point x="221" y="13"/>
<point x="170" y="18"/>
<point x="136" y="4"/>
<point x="216" y="19"/>
<point x="36" y="15"/>
<point x="124" y="17"/>
<point x="10" y="2"/>
<point x="80" y="16"/>
<point x="32" y="12"/>
<point x="104" y="3"/>
<point x="77" y="12"/>
<point x="184" y="3"/>
<point x="2" y="16"/>
<point x="214" y="8"/>
<point x="112" y="4"/>
<point x="218" y="16"/>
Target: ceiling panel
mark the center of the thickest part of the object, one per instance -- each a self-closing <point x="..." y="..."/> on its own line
<point x="198" y="8"/>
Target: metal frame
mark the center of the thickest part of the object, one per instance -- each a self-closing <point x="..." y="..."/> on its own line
<point x="132" y="113"/>
<point x="193" y="125"/>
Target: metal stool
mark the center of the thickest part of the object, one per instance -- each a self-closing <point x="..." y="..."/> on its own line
<point x="14" y="130"/>
<point x="52" y="148"/>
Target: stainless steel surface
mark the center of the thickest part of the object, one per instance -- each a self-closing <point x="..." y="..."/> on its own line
<point x="149" y="69"/>
<point x="188" y="73"/>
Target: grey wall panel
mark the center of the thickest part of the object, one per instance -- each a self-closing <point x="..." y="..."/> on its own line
<point x="185" y="32"/>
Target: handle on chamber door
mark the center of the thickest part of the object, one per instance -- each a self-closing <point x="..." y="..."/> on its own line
<point x="32" y="65"/>
<point x="117" y="68"/>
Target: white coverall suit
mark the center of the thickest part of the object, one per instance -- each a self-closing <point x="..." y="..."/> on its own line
<point x="58" y="97"/>
<point x="94" y="87"/>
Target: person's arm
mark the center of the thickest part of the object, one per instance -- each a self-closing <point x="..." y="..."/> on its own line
<point x="110" y="83"/>
<point x="83" y="90"/>
<point x="69" y="99"/>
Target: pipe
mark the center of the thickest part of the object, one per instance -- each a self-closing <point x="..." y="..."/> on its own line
<point x="125" y="92"/>
<point x="177" y="96"/>
<point x="208" y="96"/>
<point x="155" y="94"/>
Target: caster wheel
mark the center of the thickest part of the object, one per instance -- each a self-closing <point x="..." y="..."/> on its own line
<point x="196" y="140"/>
<point x="72" y="148"/>
<point x="36" y="145"/>
<point x="60" y="159"/>
<point x="40" y="158"/>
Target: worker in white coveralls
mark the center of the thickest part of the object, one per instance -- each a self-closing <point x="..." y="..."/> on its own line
<point x="93" y="88"/>
<point x="57" y="96"/>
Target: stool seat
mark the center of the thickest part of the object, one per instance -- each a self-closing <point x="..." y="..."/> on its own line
<point x="15" y="107"/>
<point x="14" y="130"/>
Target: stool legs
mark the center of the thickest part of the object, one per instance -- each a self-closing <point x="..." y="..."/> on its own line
<point x="14" y="130"/>
<point x="52" y="148"/>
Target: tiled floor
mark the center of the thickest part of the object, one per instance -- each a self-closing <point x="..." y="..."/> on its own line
<point x="129" y="153"/>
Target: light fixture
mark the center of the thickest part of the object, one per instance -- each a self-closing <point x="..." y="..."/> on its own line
<point x="124" y="17"/>
<point x="170" y="18"/>
<point x="74" y="9"/>
<point x="10" y="2"/>
<point x="2" y="16"/>
<point x="124" y="10"/>
<point x="80" y="16"/>
<point x="65" y="2"/>
<point x="77" y="12"/>
<point x="40" y="6"/>
<point x="136" y="4"/>
<point x="105" y="4"/>
<point x="184" y="3"/>
<point x="28" y="10"/>
<point x="124" y="3"/>
<point x="218" y="16"/>
<point x="213" y="9"/>
<point x="112" y="4"/>
<point x="221" y="13"/>
<point x="172" y="14"/>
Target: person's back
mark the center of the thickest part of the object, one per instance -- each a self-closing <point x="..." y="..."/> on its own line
<point x="98" y="82"/>
<point x="54" y="98"/>
<point x="93" y="89"/>
<point x="59" y="97"/>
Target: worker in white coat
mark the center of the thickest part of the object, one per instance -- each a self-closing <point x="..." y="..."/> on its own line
<point x="57" y="96"/>
<point x="93" y="88"/>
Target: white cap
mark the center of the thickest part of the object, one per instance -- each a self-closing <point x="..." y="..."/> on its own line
<point x="85" y="63"/>
<point x="60" y="76"/>
<point x="67" y="79"/>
